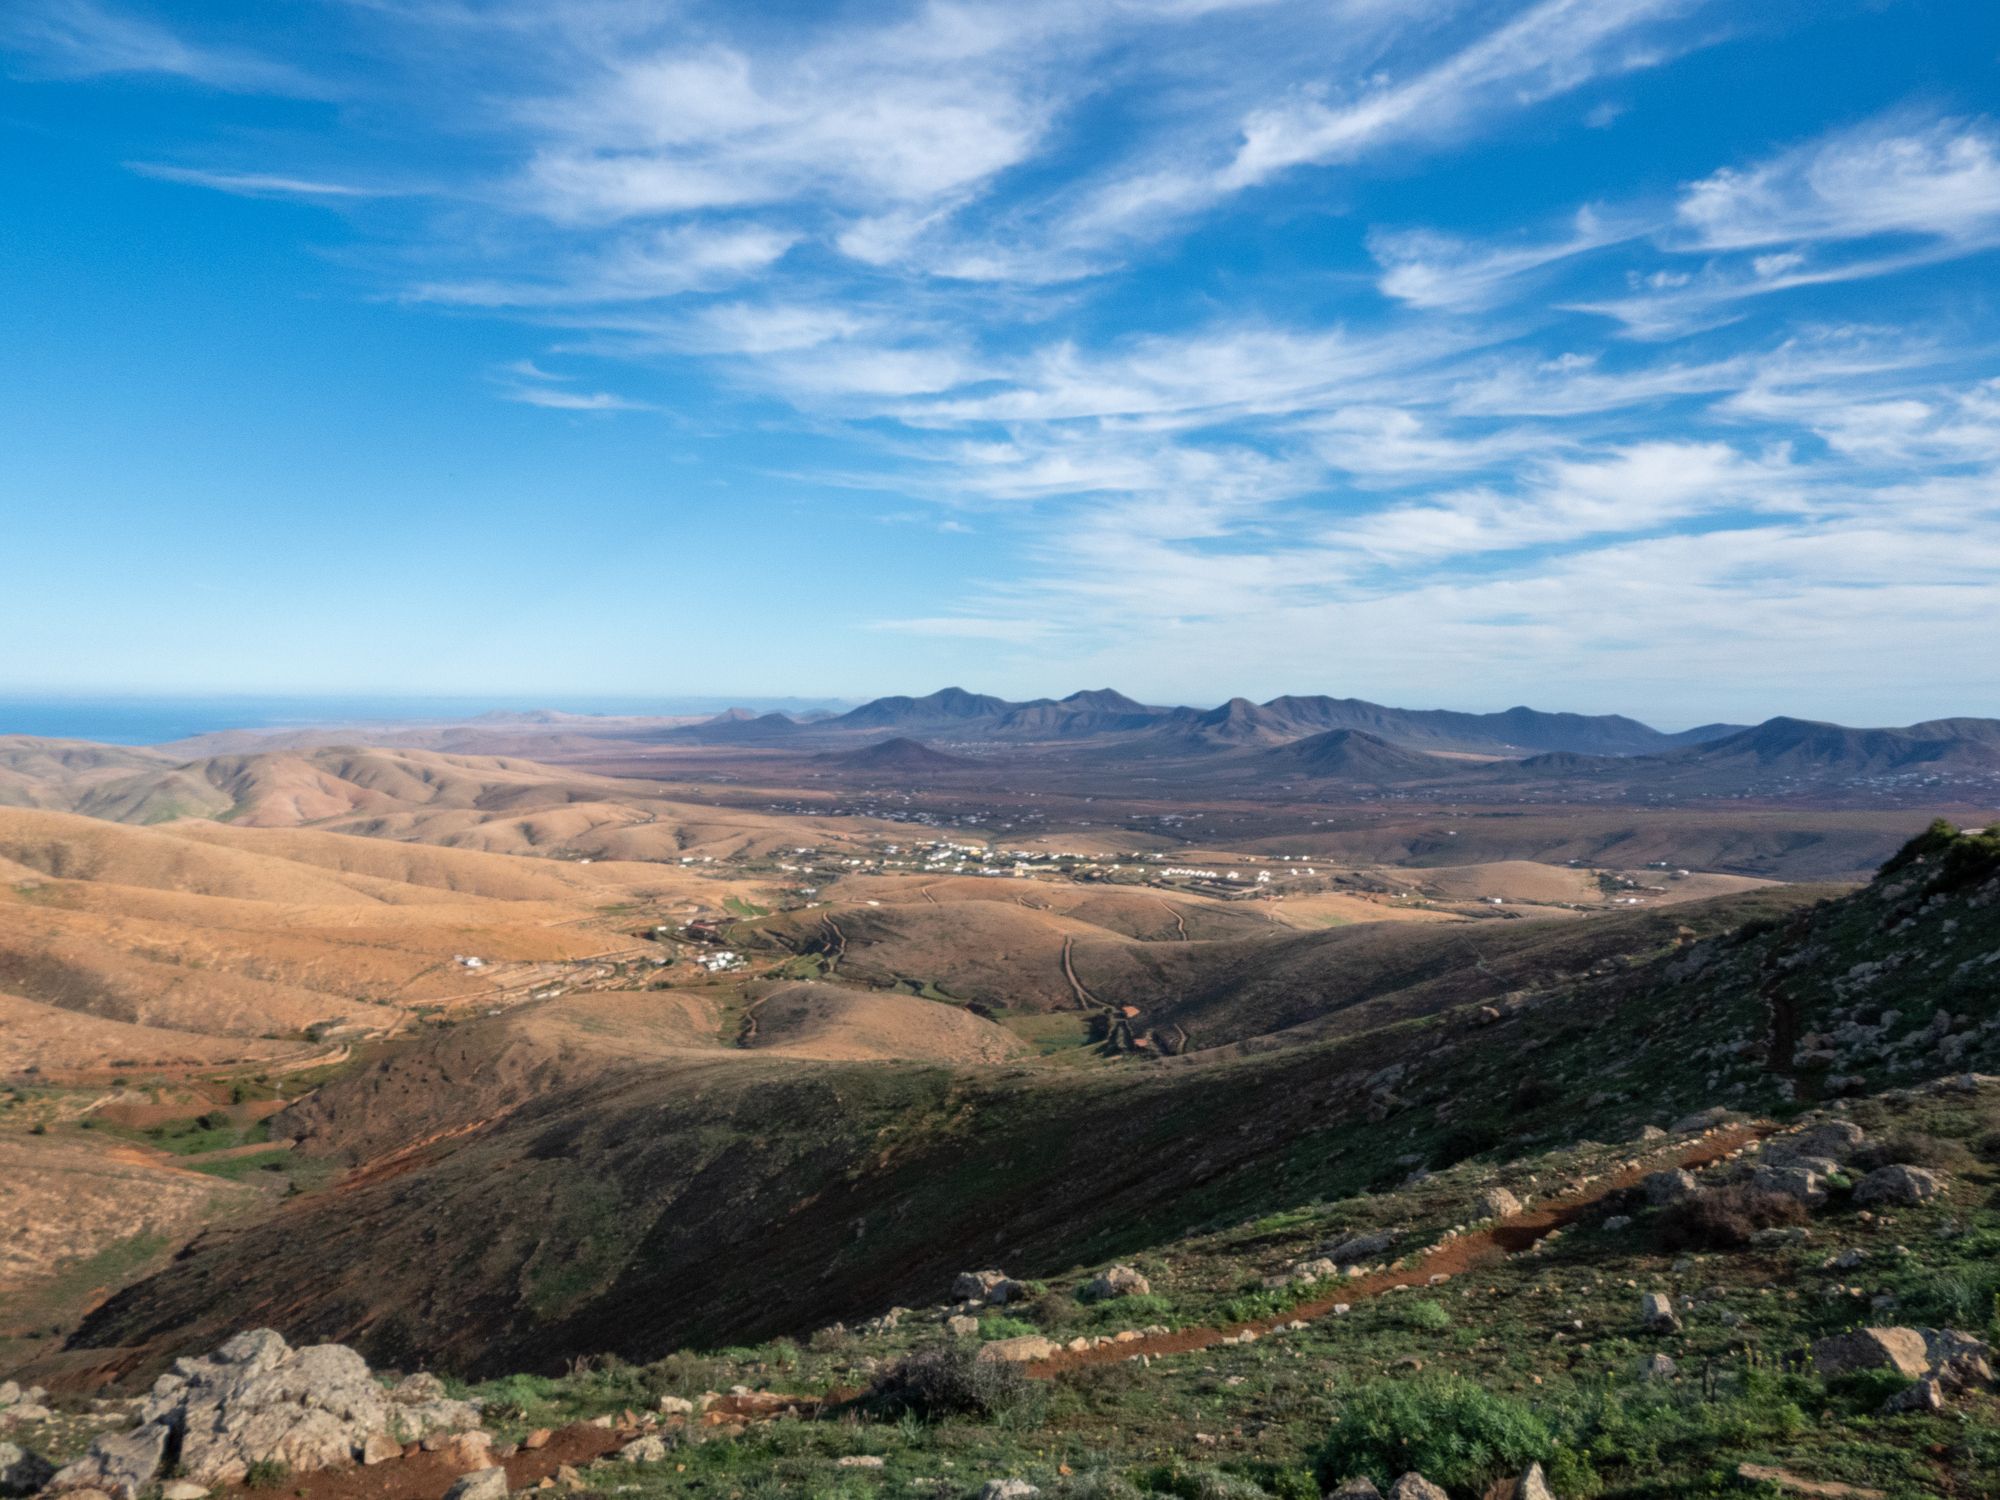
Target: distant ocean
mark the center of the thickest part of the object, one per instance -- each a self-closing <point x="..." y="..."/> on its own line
<point x="155" y="721"/>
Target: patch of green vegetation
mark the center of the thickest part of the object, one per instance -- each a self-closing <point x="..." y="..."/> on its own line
<point x="212" y="1131"/>
<point x="1453" y="1432"/>
<point x="1000" y="1326"/>
<point x="737" y="906"/>
<point x="300" y="1173"/>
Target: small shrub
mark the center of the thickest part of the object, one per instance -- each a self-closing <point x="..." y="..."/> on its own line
<point x="1966" y="1296"/>
<point x="266" y="1474"/>
<point x="1725" y="1218"/>
<point x="1453" y="1432"/>
<point x="952" y="1381"/>
<point x="1431" y="1317"/>
<point x="1098" y="1484"/>
<point x="1864" y="1391"/>
<point x="1462" y="1142"/>
<point x="1199" y="1482"/>
<point x="1911" y="1148"/>
<point x="1000" y="1326"/>
<point x="1146" y="1307"/>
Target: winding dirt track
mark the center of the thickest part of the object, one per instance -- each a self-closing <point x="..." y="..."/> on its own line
<point x="1469" y="1251"/>
<point x="1084" y="999"/>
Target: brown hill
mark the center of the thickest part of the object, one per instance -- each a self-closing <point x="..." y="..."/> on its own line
<point x="197" y="937"/>
<point x="705" y="1200"/>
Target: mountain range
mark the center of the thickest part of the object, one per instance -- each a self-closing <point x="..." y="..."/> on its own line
<point x="1351" y="739"/>
<point x="1105" y="714"/>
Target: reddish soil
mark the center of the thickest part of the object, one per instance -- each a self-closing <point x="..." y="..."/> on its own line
<point x="1467" y="1252"/>
<point x="425" y="1476"/>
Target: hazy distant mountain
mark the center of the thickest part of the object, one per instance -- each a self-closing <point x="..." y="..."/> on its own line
<point x="1804" y="745"/>
<point x="1353" y="755"/>
<point x="948" y="708"/>
<point x="1788" y="751"/>
<point x="737" y="726"/>
<point x="1538" y="743"/>
<point x="899" y="754"/>
<point x="1079" y="716"/>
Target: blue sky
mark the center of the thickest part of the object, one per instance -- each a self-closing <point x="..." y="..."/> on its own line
<point x="1623" y="355"/>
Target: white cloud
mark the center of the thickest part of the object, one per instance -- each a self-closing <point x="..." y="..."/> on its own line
<point x="564" y="400"/>
<point x="1641" y="488"/>
<point x="638" y="267"/>
<point x="1549" y="49"/>
<point x="1431" y="270"/>
<point x="259" y="184"/>
<point x="1939" y="179"/>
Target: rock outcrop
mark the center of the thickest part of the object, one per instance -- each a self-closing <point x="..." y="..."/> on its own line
<point x="258" y="1401"/>
<point x="1119" y="1281"/>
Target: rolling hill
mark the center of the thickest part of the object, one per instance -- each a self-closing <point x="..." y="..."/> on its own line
<point x="677" y="1200"/>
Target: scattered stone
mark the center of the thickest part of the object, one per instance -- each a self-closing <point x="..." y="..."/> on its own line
<point x="1008" y="1489"/>
<point x="119" y="1464"/>
<point x="1926" y="1395"/>
<point x="1838" y="1139"/>
<point x="1361" y="1247"/>
<point x="961" y="1325"/>
<point x="22" y="1472"/>
<point x="1706" y="1119"/>
<point x="1023" y="1350"/>
<point x="482" y="1484"/>
<point x="1899" y="1349"/>
<point x="1798" y="1183"/>
<point x="379" y="1448"/>
<point x="1666" y="1187"/>
<point x="649" y="1449"/>
<point x="464" y="1451"/>
<point x="182" y="1489"/>
<point x="1119" y="1281"/>
<point x="1498" y="1203"/>
<point x="1317" y="1269"/>
<point x="1354" y="1489"/>
<point x="1896" y="1185"/>
<point x="1416" y="1487"/>
<point x="980" y="1286"/>
<point x="858" y="1461"/>
<point x="1617" y="1222"/>
<point x="1659" y="1367"/>
<point x="1533" y="1485"/>
<point x="1656" y="1312"/>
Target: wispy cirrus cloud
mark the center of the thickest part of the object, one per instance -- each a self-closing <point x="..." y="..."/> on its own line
<point x="262" y="184"/>
<point x="84" y="39"/>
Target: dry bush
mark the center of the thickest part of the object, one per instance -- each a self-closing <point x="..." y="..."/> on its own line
<point x="1725" y="1218"/>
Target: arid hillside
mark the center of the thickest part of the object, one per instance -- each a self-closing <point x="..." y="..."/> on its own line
<point x="194" y="944"/>
<point x="690" y="1197"/>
